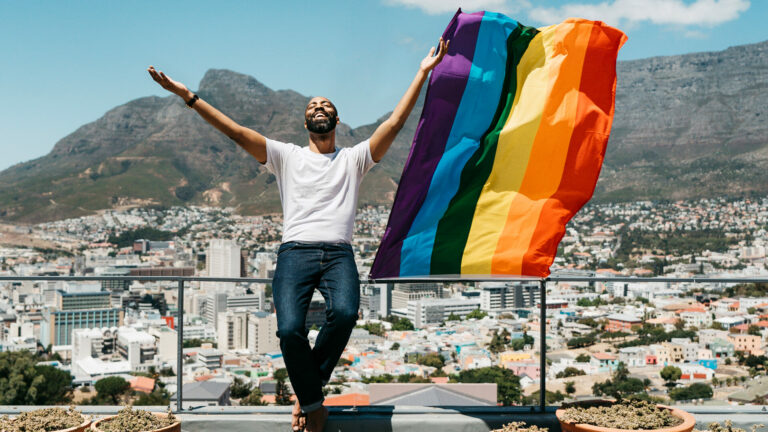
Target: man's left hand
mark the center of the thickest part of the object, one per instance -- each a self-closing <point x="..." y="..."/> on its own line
<point x="432" y="59"/>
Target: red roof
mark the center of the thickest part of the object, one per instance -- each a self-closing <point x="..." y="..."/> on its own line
<point x="203" y="378"/>
<point x="604" y="356"/>
<point x="348" y="399"/>
<point x="142" y="384"/>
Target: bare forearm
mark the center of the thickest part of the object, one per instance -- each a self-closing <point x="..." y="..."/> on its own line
<point x="405" y="106"/>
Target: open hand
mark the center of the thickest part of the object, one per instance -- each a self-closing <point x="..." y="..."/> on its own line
<point x="432" y="59"/>
<point x="172" y="86"/>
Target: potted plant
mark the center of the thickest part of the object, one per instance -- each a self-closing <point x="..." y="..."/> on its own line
<point x="46" y="420"/>
<point x="728" y="427"/>
<point x="130" y="420"/>
<point x="520" y="427"/>
<point x="626" y="415"/>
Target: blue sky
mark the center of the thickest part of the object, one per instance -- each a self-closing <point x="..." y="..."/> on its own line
<point x="65" y="63"/>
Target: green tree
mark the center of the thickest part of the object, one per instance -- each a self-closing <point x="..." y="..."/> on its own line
<point x="497" y="343"/>
<point x="239" y="388"/>
<point x="254" y="398"/>
<point x="671" y="374"/>
<point x="570" y="387"/>
<point x="282" y="392"/>
<point x="583" y="358"/>
<point x="507" y="383"/>
<point x="111" y="388"/>
<point x="157" y="397"/>
<point x="570" y="372"/>
<point x="395" y="346"/>
<point x="621" y="386"/>
<point x="754" y="329"/>
<point x="453" y="317"/>
<point x="431" y="359"/>
<point x="22" y="382"/>
<point x="477" y="314"/>
<point x="693" y="391"/>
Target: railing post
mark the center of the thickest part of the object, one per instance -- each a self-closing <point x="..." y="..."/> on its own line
<point x="179" y="345"/>
<point x="543" y="345"/>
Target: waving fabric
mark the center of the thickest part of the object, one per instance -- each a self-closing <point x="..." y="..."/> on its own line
<point x="509" y="147"/>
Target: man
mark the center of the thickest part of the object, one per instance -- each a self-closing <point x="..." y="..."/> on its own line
<point x="318" y="188"/>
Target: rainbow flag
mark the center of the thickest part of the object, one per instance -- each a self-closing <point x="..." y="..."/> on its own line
<point x="509" y="147"/>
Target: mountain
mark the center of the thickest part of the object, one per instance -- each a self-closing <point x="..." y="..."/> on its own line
<point x="686" y="126"/>
<point x="689" y="126"/>
<point x="154" y="151"/>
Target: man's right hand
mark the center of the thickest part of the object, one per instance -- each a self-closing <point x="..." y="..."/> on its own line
<point x="172" y="86"/>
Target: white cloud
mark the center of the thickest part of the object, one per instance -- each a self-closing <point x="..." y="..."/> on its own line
<point x="436" y="7"/>
<point x="698" y="12"/>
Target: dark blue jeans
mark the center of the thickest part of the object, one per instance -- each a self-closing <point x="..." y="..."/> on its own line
<point x="302" y="267"/>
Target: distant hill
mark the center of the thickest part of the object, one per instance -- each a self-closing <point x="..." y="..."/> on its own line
<point x="686" y="126"/>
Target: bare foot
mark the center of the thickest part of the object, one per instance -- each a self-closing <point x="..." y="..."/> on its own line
<point x="316" y="419"/>
<point x="298" y="418"/>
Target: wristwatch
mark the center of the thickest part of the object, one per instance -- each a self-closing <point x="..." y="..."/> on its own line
<point x="192" y="101"/>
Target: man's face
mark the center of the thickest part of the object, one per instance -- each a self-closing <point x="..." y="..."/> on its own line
<point x="320" y="116"/>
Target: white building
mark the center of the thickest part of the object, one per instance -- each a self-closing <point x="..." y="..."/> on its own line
<point x="433" y="311"/>
<point x="232" y="330"/>
<point x="222" y="260"/>
<point x="138" y="347"/>
<point x="262" y="333"/>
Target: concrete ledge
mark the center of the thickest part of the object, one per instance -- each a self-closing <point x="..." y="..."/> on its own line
<point x="405" y="419"/>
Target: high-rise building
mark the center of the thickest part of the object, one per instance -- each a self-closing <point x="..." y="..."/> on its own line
<point x="232" y="330"/>
<point x="223" y="259"/>
<point x="215" y="303"/>
<point x="262" y="333"/>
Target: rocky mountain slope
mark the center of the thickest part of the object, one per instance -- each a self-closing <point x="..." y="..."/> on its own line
<point x="686" y="126"/>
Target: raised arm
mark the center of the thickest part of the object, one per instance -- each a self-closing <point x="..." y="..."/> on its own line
<point x="252" y="141"/>
<point x="387" y="131"/>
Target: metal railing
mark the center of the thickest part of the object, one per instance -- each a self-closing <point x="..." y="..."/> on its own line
<point x="390" y="285"/>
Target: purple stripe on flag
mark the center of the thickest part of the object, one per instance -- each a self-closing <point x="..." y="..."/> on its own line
<point x="440" y="106"/>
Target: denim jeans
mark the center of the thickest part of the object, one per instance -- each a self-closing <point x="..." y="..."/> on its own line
<point x="302" y="267"/>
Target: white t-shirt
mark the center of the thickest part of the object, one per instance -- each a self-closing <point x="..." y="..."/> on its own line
<point x="318" y="191"/>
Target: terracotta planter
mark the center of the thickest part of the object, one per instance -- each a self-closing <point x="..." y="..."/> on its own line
<point x="686" y="426"/>
<point x="82" y="428"/>
<point x="176" y="427"/>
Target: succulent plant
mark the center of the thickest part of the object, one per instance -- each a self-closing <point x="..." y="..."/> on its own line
<point x="728" y="427"/>
<point x="43" y="420"/>
<point x="130" y="420"/>
<point x="520" y="427"/>
<point x="631" y="414"/>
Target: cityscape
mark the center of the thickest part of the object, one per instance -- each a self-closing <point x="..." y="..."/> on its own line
<point x="115" y="341"/>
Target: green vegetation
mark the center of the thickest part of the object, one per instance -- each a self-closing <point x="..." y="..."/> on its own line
<point x="111" y="388"/>
<point x="621" y="386"/>
<point x="583" y="358"/>
<point x="651" y="334"/>
<point x="747" y="290"/>
<point x="22" y="382"/>
<point x="431" y="359"/>
<point x="239" y="388"/>
<point x="157" y="397"/>
<point x="373" y="328"/>
<point x="126" y="238"/>
<point x="675" y="243"/>
<point x="693" y="391"/>
<point x="282" y="392"/>
<point x="508" y="384"/>
<point x="477" y="314"/>
<point x="582" y="341"/>
<point x="670" y="374"/>
<point x="400" y="324"/>
<point x="570" y="372"/>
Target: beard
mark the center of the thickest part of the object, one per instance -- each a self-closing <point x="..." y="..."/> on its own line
<point x="322" y="125"/>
